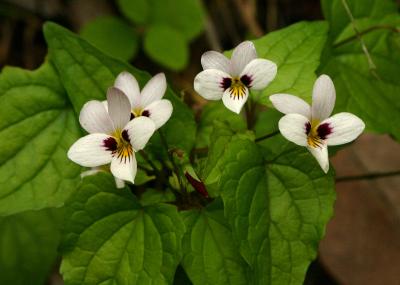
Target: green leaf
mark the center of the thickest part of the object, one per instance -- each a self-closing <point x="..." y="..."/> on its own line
<point x="220" y="136"/>
<point x="86" y="74"/>
<point x="142" y="177"/>
<point x="296" y="51"/>
<point x="362" y="89"/>
<point x="277" y="207"/>
<point x="112" y="36"/>
<point x="135" y="10"/>
<point x="152" y="196"/>
<point x="37" y="126"/>
<point x="267" y="123"/>
<point x="210" y="254"/>
<point x="28" y="246"/>
<point x="166" y="46"/>
<point x="111" y="239"/>
<point x="185" y="16"/>
<point x="216" y="111"/>
<point x="338" y="19"/>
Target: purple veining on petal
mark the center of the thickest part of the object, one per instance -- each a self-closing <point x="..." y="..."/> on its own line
<point x="146" y="113"/>
<point x="324" y="130"/>
<point x="225" y="83"/>
<point x="308" y="127"/>
<point x="125" y="135"/>
<point x="110" y="144"/>
<point x="246" y="80"/>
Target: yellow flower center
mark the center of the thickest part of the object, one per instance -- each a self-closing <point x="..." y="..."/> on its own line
<point x="317" y="133"/>
<point x="237" y="88"/>
<point x="124" y="148"/>
<point x="137" y="112"/>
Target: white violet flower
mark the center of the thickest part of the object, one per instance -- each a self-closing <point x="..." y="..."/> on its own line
<point x="112" y="138"/>
<point x="232" y="79"/>
<point x="149" y="102"/>
<point x="311" y="126"/>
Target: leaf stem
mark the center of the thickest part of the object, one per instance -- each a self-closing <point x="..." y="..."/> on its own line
<point x="250" y="115"/>
<point x="371" y="64"/>
<point x="148" y="170"/>
<point x="148" y="160"/>
<point x="171" y="158"/>
<point x="366" y="31"/>
<point x="200" y="150"/>
<point x="158" y="172"/>
<point x="267" y="136"/>
<point x="247" y="112"/>
<point x="368" y="176"/>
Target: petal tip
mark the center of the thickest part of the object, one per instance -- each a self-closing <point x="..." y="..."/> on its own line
<point x="119" y="183"/>
<point x="324" y="77"/>
<point x="234" y="109"/>
<point x="70" y="154"/>
<point x="325" y="169"/>
<point x="160" y="76"/>
<point x="247" y="44"/>
<point x="273" y="98"/>
<point x="124" y="77"/>
<point x="124" y="73"/>
<point x="115" y="91"/>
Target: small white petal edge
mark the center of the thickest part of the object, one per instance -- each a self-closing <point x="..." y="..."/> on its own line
<point x="119" y="183"/>
<point x="235" y="104"/>
<point x="160" y="111"/>
<point x="140" y="131"/>
<point x="128" y="84"/>
<point x="293" y="128"/>
<point x="321" y="155"/>
<point x="208" y="83"/>
<point x="119" y="107"/>
<point x="241" y="56"/>
<point x="124" y="170"/>
<point x="290" y="104"/>
<point x="90" y="151"/>
<point x="323" y="100"/>
<point x="215" y="60"/>
<point x="154" y="90"/>
<point x="346" y="127"/>
<point x="261" y="71"/>
<point x="94" y="118"/>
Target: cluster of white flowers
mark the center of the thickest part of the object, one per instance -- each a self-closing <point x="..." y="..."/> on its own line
<point x="304" y="125"/>
<point x="121" y="126"/>
<point x="124" y="123"/>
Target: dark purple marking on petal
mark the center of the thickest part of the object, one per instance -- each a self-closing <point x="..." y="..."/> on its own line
<point x="132" y="116"/>
<point x="225" y="83"/>
<point x="146" y="113"/>
<point x="125" y="136"/>
<point x="110" y="144"/>
<point x="308" y="128"/>
<point x="246" y="80"/>
<point x="324" y="130"/>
